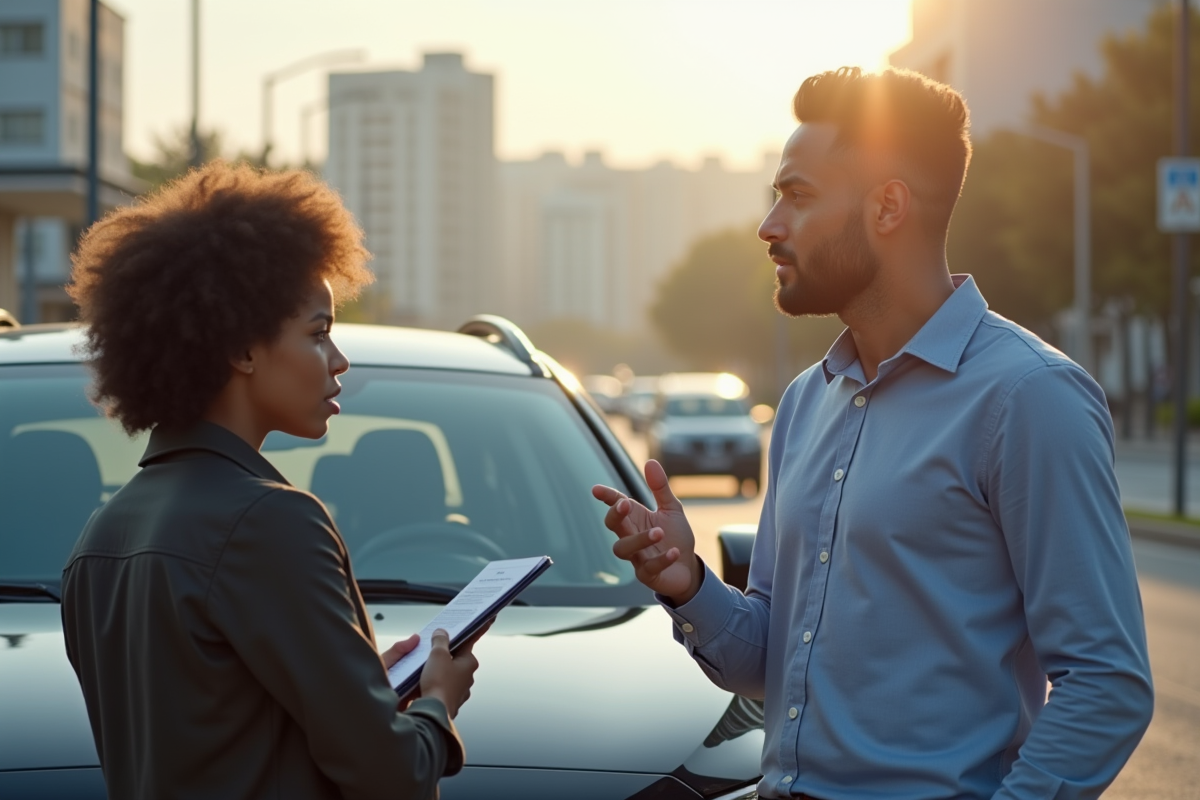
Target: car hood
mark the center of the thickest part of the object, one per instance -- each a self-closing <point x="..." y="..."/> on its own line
<point x="43" y="721"/>
<point x="709" y="426"/>
<point x="579" y="689"/>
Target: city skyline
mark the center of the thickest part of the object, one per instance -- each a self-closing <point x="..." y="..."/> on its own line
<point x="642" y="82"/>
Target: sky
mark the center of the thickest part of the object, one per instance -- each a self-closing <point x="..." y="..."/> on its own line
<point x="640" y="80"/>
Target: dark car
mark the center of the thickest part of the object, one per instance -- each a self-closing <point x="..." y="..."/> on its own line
<point x="452" y="449"/>
<point x="703" y="425"/>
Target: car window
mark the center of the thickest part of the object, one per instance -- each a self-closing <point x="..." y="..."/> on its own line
<point x="428" y="474"/>
<point x="705" y="406"/>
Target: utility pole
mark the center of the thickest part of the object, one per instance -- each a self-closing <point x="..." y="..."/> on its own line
<point x="1179" y="248"/>
<point x="269" y="81"/>
<point x="93" y="174"/>
<point x="197" y="155"/>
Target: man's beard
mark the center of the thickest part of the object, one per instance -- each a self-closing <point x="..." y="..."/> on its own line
<point x="839" y="269"/>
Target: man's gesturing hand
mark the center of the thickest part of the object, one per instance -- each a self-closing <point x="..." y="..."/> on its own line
<point x="659" y="544"/>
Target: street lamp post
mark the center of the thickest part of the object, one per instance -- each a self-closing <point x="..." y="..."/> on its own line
<point x="1181" y="269"/>
<point x="328" y="59"/>
<point x="93" y="112"/>
<point x="306" y="114"/>
<point x="1082" y="346"/>
<point x="197" y="157"/>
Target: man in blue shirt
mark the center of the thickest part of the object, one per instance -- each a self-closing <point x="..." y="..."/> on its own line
<point x="941" y="530"/>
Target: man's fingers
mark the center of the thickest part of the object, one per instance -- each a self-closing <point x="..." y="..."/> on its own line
<point x="628" y="547"/>
<point x="656" y="479"/>
<point x="650" y="569"/>
<point x="440" y="640"/>
<point x="617" y="519"/>
<point x="606" y="494"/>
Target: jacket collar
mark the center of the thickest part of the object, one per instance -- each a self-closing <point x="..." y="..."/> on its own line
<point x="940" y="342"/>
<point x="214" y="439"/>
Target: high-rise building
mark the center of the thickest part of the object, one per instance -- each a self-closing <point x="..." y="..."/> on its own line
<point x="44" y="86"/>
<point x="998" y="54"/>
<point x="412" y="155"/>
<point x="591" y="242"/>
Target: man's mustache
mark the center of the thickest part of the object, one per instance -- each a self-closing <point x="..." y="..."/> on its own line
<point x="781" y="252"/>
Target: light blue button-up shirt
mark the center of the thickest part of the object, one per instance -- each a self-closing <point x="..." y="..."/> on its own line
<point x="933" y="545"/>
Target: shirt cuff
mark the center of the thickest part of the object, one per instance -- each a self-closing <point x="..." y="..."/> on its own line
<point x="700" y="619"/>
<point x="435" y="711"/>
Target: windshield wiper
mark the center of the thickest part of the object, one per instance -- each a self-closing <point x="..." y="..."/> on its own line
<point x="374" y="589"/>
<point x="25" y="590"/>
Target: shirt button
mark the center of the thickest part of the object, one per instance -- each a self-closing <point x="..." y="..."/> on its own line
<point x="686" y="627"/>
<point x="838" y="473"/>
<point x="787" y="778"/>
<point x="807" y="637"/>
<point x="824" y="556"/>
<point x="793" y="713"/>
<point x="860" y="401"/>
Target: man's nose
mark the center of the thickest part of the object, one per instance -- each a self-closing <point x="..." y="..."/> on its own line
<point x="772" y="228"/>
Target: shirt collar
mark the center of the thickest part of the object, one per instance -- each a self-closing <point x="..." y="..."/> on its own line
<point x="215" y="439"/>
<point x="940" y="342"/>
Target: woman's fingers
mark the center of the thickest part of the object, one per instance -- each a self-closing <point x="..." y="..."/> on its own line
<point x="399" y="650"/>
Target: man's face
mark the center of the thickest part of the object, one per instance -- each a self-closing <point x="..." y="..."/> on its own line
<point x="815" y="230"/>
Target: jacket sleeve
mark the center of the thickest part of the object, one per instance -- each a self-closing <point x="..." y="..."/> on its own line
<point x="281" y="595"/>
<point x="1054" y="494"/>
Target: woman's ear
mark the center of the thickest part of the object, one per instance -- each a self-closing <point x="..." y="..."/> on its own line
<point x="244" y="364"/>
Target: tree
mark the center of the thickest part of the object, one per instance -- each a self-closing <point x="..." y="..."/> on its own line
<point x="1013" y="226"/>
<point x="173" y="156"/>
<point x="715" y="310"/>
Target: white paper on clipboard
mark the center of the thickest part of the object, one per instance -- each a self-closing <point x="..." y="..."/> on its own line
<point x="496" y="585"/>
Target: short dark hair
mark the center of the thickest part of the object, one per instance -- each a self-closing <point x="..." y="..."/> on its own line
<point x="923" y="122"/>
<point x="176" y="285"/>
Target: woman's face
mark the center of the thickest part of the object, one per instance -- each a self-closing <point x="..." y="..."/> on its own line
<point x="294" y="381"/>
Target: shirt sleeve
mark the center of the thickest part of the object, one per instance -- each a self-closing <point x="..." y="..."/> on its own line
<point x="1053" y="492"/>
<point x="724" y="630"/>
<point x="281" y="595"/>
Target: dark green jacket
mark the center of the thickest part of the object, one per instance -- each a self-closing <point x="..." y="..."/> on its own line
<point x="223" y="647"/>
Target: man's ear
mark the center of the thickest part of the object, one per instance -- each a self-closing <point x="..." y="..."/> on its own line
<point x="244" y="363"/>
<point x="893" y="202"/>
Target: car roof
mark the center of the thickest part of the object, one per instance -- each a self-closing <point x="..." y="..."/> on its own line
<point x="364" y="345"/>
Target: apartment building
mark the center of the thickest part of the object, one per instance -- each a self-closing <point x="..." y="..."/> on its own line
<point x="412" y="154"/>
<point x="44" y="85"/>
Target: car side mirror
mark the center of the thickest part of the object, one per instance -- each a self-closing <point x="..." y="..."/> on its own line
<point x="737" y="543"/>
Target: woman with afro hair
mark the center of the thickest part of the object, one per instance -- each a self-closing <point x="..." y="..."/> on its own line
<point x="209" y="607"/>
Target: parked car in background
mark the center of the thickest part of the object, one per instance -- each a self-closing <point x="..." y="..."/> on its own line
<point x="702" y="425"/>
<point x="452" y="449"/>
<point x="639" y="400"/>
<point x="605" y="390"/>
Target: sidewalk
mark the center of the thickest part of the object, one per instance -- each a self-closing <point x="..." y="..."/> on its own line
<point x="1180" y="534"/>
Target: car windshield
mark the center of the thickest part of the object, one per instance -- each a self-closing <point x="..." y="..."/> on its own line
<point x="429" y="474"/>
<point x="704" y="406"/>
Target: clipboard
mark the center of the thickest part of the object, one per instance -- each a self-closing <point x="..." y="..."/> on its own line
<point x="496" y="585"/>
